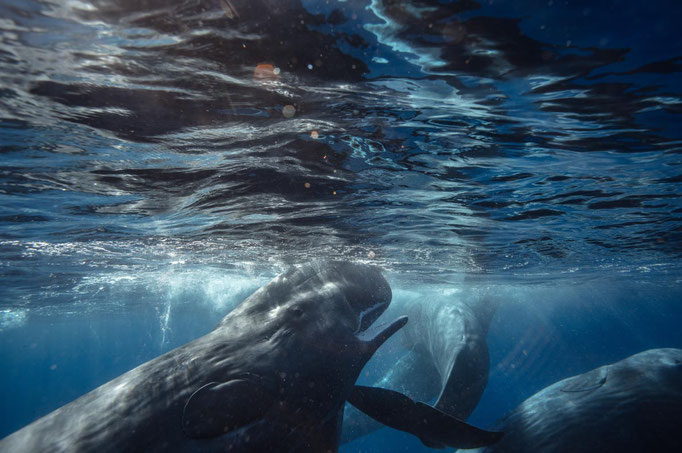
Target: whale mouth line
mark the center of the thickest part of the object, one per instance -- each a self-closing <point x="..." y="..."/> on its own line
<point x="367" y="317"/>
<point x="376" y="335"/>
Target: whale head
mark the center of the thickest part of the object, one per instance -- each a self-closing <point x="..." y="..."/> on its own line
<point x="292" y="353"/>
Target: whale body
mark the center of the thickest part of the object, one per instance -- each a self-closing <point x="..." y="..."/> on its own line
<point x="448" y="358"/>
<point x="632" y="405"/>
<point x="274" y="375"/>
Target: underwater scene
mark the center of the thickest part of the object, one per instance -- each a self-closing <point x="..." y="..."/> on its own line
<point x="340" y="225"/>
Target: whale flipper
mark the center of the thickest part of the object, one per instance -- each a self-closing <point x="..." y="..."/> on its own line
<point x="448" y="358"/>
<point x="413" y="374"/>
<point x="220" y="407"/>
<point x="433" y="427"/>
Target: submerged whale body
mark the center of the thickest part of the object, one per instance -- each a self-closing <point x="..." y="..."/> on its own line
<point x="448" y="359"/>
<point x="632" y="405"/>
<point x="272" y="376"/>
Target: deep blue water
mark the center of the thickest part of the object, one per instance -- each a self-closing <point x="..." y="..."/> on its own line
<point x="153" y="175"/>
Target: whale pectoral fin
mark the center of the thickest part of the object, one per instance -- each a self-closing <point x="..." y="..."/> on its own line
<point x="433" y="427"/>
<point x="442" y="429"/>
<point x="414" y="375"/>
<point x="220" y="407"/>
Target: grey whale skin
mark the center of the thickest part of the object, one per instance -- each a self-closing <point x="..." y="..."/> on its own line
<point x="634" y="405"/>
<point x="272" y="376"/>
<point x="448" y="359"/>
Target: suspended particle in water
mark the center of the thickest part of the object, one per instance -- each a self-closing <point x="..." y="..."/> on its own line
<point x="334" y="192"/>
<point x="289" y="111"/>
<point x="307" y="185"/>
<point x="266" y="71"/>
<point x="371" y="255"/>
<point x="314" y="135"/>
<point x="310" y="66"/>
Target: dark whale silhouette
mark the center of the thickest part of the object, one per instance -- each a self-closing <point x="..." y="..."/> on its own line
<point x="272" y="376"/>
<point x="633" y="405"/>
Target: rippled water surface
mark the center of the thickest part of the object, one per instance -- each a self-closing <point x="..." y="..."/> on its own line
<point x="148" y="146"/>
<point x="442" y="136"/>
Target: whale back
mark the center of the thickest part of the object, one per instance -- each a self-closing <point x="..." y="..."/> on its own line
<point x="631" y="405"/>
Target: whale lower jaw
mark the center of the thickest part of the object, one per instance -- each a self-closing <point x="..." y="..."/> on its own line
<point x="375" y="336"/>
<point x="369" y="315"/>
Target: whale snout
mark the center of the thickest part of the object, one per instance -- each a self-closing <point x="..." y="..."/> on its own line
<point x="368" y="294"/>
<point x="366" y="290"/>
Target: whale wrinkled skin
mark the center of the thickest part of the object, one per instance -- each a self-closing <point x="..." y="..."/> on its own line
<point x="274" y="375"/>
<point x="632" y="405"/>
<point x="287" y="358"/>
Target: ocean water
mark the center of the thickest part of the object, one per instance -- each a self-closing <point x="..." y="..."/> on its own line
<point x="161" y="160"/>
